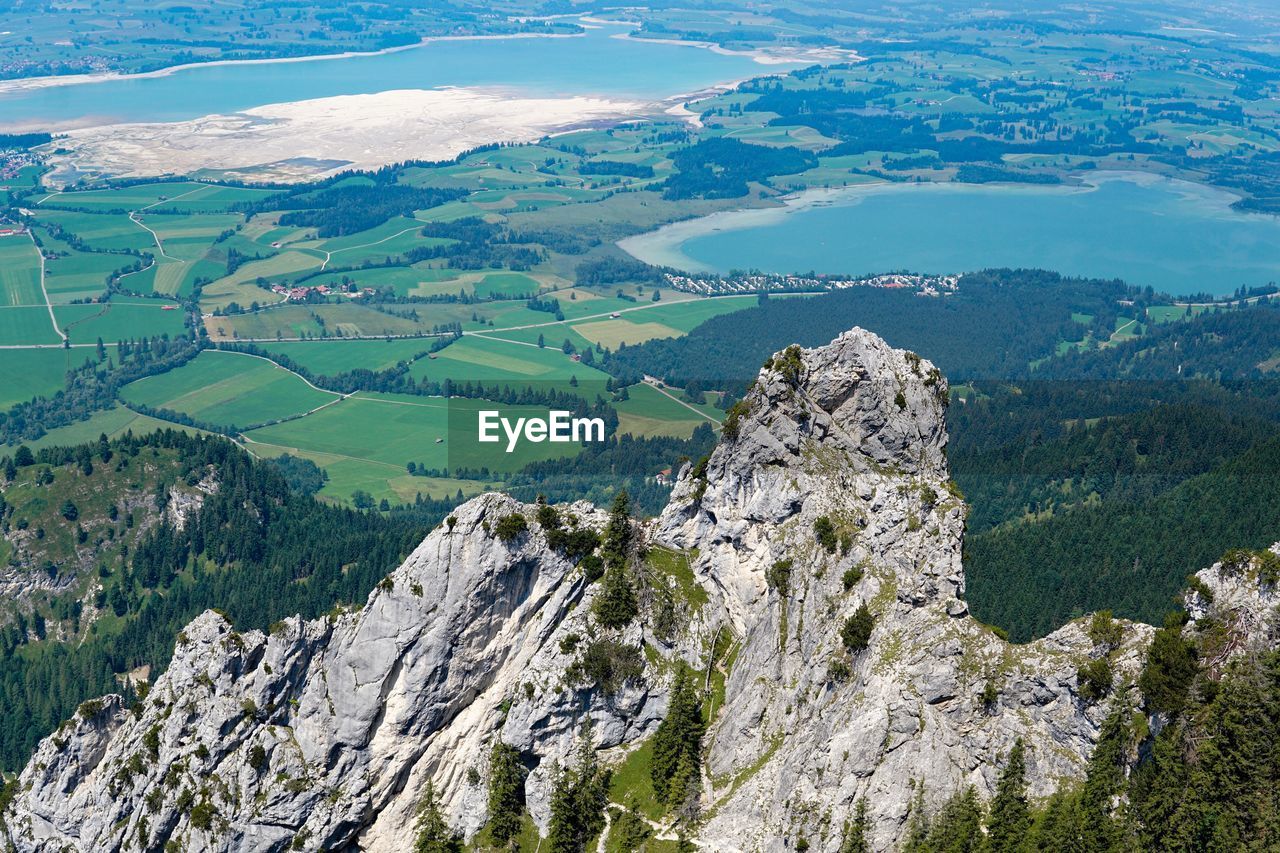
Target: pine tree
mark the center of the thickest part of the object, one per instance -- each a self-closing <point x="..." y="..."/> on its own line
<point x="679" y="736"/>
<point x="617" y="534"/>
<point x="855" y="831"/>
<point x="958" y="827"/>
<point x="1170" y="668"/>
<point x="616" y="604"/>
<point x="1233" y="779"/>
<point x="1010" y="815"/>
<point x="434" y="834"/>
<point x="506" y="793"/>
<point x="1159" y="789"/>
<point x="578" y="800"/>
<point x="1100" y="830"/>
<point x="917" y="836"/>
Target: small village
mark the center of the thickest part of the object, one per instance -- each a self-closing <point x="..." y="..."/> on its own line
<point x="304" y="293"/>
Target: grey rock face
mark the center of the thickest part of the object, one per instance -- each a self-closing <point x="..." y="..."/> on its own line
<point x="852" y="436"/>
<point x="829" y="493"/>
<point x="328" y="730"/>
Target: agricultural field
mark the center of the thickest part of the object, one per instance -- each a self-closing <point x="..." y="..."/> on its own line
<point x="382" y="480"/>
<point x="123" y="318"/>
<point x="329" y="358"/>
<point x="349" y="320"/>
<point x="239" y="288"/>
<point x="612" y="334"/>
<point x="103" y="232"/>
<point x="228" y="390"/>
<point x="391" y="430"/>
<point x="19" y="272"/>
<point x="75" y="275"/>
<point x="649" y="412"/>
<point x="473" y="358"/>
<point x="26" y="325"/>
<point x="160" y="197"/>
<point x="33" y="372"/>
<point x="110" y="422"/>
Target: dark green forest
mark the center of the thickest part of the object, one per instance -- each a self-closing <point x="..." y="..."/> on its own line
<point x="256" y="550"/>
<point x="995" y="325"/>
<point x="1207" y="778"/>
<point x="1096" y="478"/>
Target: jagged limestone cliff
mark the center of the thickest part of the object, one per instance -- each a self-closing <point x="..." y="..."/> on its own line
<point x="828" y="493"/>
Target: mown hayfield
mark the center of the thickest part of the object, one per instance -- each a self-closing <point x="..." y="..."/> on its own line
<point x="612" y="334"/>
<point x="477" y="359"/>
<point x="27" y="324"/>
<point x="188" y="238"/>
<point x="553" y="336"/>
<point x="329" y="358"/>
<point x="122" y="198"/>
<point x="162" y="196"/>
<point x="81" y="275"/>
<point x="394" y="429"/>
<point x="343" y="319"/>
<point x="19" y="272"/>
<point x="100" y="230"/>
<point x="36" y="372"/>
<point x="169" y="277"/>
<point x="228" y="389"/>
<point x="649" y="412"/>
<point x="120" y="319"/>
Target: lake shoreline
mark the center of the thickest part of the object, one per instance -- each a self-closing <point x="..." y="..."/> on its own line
<point x="672" y="245"/>
<point x="307" y="140"/>
<point x="27" y="84"/>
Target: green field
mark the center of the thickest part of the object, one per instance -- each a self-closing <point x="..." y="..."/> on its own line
<point x="36" y="372"/>
<point x="26" y="325"/>
<point x="380" y="479"/>
<point x="393" y="430"/>
<point x="19" y="272"/>
<point x="239" y="287"/>
<point x="345" y="319"/>
<point x="123" y="318"/>
<point x="100" y="231"/>
<point x="228" y="389"/>
<point x="649" y="412"/>
<point x="613" y="333"/>
<point x="111" y="422"/>
<point x="477" y="359"/>
<point x="175" y="196"/>
<point x="329" y="358"/>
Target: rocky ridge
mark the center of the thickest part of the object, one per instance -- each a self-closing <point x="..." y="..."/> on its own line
<point x="828" y="493"/>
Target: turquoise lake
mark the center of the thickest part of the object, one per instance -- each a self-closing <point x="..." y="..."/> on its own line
<point x="592" y="64"/>
<point x="1176" y="236"/>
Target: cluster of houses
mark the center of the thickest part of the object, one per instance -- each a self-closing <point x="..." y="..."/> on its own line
<point x="12" y="162"/>
<point x="7" y="230"/>
<point x="926" y="285"/>
<point x="300" y="293"/>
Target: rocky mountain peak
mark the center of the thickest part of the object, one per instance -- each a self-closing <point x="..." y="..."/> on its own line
<point x="811" y="564"/>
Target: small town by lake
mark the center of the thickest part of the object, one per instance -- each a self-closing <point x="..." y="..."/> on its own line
<point x="1175" y="236"/>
